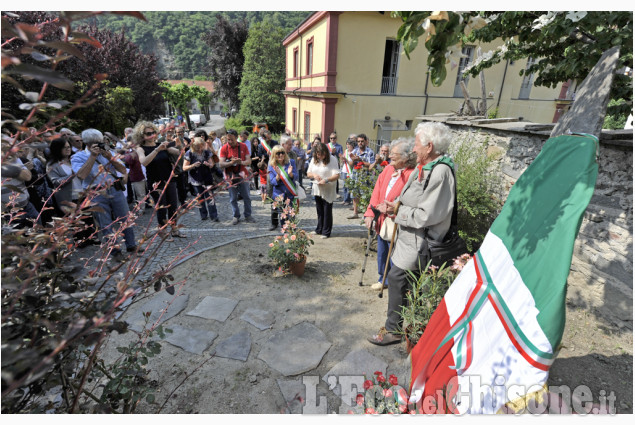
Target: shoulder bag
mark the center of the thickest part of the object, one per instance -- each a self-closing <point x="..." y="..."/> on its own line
<point x="451" y="246"/>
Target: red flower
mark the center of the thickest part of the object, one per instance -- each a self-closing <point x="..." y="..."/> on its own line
<point x="393" y="380"/>
<point x="368" y="384"/>
<point x="387" y="393"/>
<point x="370" y="411"/>
<point x="359" y="399"/>
<point x="381" y="379"/>
<point x="378" y="373"/>
<point x="384" y="163"/>
<point x="358" y="166"/>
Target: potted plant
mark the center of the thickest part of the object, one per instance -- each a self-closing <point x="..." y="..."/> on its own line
<point x="290" y="249"/>
<point x="427" y="292"/>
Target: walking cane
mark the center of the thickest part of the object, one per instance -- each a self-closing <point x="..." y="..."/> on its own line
<point x="370" y="236"/>
<point x="392" y="243"/>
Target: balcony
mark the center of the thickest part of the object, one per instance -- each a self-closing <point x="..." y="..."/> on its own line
<point x="388" y="85"/>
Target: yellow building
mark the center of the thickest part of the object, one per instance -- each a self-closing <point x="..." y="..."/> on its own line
<point x="346" y="72"/>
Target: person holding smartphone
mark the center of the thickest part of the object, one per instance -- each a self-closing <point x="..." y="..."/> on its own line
<point x="155" y="157"/>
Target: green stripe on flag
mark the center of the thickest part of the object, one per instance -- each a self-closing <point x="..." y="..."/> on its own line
<point x="540" y="221"/>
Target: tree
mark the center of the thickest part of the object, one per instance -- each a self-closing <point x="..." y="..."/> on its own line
<point x="263" y="76"/>
<point x="566" y="44"/>
<point x="203" y="97"/>
<point x="125" y="66"/>
<point x="179" y="97"/>
<point x="226" y="61"/>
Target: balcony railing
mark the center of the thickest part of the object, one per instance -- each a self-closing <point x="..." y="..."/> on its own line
<point x="388" y="85"/>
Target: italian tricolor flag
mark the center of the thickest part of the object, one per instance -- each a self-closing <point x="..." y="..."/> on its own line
<point x="496" y="333"/>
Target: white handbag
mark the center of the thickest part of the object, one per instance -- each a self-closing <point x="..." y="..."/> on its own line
<point x="387" y="229"/>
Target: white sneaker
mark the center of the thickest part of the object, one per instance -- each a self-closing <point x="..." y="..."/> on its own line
<point x="323" y="237"/>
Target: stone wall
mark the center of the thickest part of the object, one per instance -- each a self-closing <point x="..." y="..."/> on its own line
<point x="601" y="275"/>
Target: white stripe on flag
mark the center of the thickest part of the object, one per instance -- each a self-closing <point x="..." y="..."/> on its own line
<point x="490" y="340"/>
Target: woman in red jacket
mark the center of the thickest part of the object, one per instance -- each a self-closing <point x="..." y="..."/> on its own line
<point x="388" y="187"/>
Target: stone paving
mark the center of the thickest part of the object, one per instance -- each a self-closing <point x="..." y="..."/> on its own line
<point x="291" y="351"/>
<point x="205" y="235"/>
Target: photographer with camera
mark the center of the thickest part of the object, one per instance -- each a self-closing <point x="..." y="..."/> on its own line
<point x="234" y="160"/>
<point x="96" y="167"/>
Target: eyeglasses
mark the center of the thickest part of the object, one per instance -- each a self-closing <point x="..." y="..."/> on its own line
<point x="279" y="153"/>
<point x="333" y="138"/>
<point x="149" y="133"/>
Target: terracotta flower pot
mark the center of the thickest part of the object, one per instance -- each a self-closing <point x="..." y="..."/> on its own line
<point x="298" y="268"/>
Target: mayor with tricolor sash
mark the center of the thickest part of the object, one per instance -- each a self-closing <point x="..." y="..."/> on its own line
<point x="283" y="177"/>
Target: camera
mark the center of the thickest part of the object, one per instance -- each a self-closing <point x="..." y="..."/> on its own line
<point x="101" y="145"/>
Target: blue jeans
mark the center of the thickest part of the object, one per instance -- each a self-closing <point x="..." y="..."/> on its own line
<point x="207" y="203"/>
<point x="243" y="189"/>
<point x="382" y="255"/>
<point x="114" y="206"/>
<point x="346" y="197"/>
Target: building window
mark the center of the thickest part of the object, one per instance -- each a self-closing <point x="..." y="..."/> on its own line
<point x="294" y="120"/>
<point x="468" y="53"/>
<point x="296" y="62"/>
<point x="307" y="127"/>
<point x="528" y="80"/>
<point x="391" y="67"/>
<point x="309" y="56"/>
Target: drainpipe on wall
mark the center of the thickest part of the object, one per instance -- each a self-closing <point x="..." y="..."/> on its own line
<point x="500" y="93"/>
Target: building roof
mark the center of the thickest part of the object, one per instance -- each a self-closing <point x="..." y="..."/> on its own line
<point x="209" y="85"/>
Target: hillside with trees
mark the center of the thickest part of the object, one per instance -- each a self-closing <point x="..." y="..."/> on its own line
<point x="175" y="37"/>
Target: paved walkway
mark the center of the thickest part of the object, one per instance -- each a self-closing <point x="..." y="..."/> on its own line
<point x="205" y="235"/>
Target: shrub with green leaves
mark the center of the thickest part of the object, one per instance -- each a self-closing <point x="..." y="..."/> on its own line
<point x="361" y="184"/>
<point x="476" y="184"/>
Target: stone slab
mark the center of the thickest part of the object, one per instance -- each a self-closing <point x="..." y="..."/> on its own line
<point x="588" y="110"/>
<point x="216" y="308"/>
<point x="235" y="347"/>
<point x="355" y="365"/>
<point x="191" y="340"/>
<point x="259" y="318"/>
<point x="295" y="350"/>
<point x="290" y="389"/>
<point x="156" y="305"/>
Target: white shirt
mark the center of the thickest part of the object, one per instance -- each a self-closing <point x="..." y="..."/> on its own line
<point x="325" y="191"/>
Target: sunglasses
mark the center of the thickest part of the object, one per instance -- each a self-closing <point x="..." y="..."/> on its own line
<point x="280" y="153"/>
<point x="149" y="133"/>
<point x="333" y="138"/>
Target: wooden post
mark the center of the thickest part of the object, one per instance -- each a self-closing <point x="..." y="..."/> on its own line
<point x="468" y="101"/>
<point x="483" y="103"/>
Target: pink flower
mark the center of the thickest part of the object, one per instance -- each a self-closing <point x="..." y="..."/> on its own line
<point x="293" y="237"/>
<point x="368" y="384"/>
<point x="387" y="393"/>
<point x="296" y="255"/>
<point x="360" y="399"/>
<point x="393" y="380"/>
<point x="370" y="411"/>
<point x="286" y="235"/>
<point x="283" y="215"/>
<point x="271" y="245"/>
<point x="278" y="238"/>
<point x="288" y="251"/>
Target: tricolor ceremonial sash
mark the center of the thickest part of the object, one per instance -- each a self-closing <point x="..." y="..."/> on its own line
<point x="288" y="181"/>
<point x="347" y="157"/>
<point x="264" y="144"/>
<point x="495" y="334"/>
<point x="331" y="147"/>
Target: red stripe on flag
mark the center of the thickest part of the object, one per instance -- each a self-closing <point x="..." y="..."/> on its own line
<point x="433" y="369"/>
<point x="522" y="352"/>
